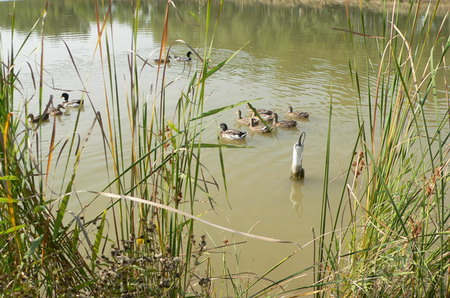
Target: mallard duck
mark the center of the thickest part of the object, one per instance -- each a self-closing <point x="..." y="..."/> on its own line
<point x="265" y="117"/>
<point x="70" y="103"/>
<point x="301" y="115"/>
<point x="39" y="118"/>
<point x="184" y="59"/>
<point x="239" y="119"/>
<point x="162" y="60"/>
<point x="57" y="111"/>
<point x="258" y="128"/>
<point x="231" y="134"/>
<point x="260" y="111"/>
<point x="283" y="123"/>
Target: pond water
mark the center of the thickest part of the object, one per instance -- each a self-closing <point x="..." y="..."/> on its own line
<point x="293" y="58"/>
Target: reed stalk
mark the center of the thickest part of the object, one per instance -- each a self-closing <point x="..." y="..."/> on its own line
<point x="396" y="191"/>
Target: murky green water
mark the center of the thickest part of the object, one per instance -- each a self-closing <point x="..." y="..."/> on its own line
<point x="293" y="57"/>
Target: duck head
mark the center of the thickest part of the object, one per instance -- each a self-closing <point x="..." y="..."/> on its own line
<point x="65" y="96"/>
<point x="223" y="126"/>
<point x="275" y="118"/>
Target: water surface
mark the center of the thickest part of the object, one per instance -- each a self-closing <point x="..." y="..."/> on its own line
<point x="293" y="57"/>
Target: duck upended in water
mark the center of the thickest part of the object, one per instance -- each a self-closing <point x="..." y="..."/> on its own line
<point x="70" y="103"/>
<point x="163" y="60"/>
<point x="300" y="115"/>
<point x="283" y="123"/>
<point x="39" y="118"/>
<point x="184" y="59"/>
<point x="231" y="134"/>
<point x="258" y="128"/>
<point x="57" y="111"/>
<point x="239" y="119"/>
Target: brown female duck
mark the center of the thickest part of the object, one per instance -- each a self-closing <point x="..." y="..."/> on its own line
<point x="283" y="123"/>
<point x="299" y="115"/>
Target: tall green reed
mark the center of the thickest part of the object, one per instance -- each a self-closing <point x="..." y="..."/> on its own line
<point x="164" y="167"/>
<point x="48" y="249"/>
<point x="38" y="256"/>
<point x="387" y="232"/>
<point x="396" y="236"/>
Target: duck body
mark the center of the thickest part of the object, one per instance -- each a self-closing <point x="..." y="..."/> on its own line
<point x="299" y="115"/>
<point x="258" y="128"/>
<point x="265" y="117"/>
<point x="240" y="120"/>
<point x="283" y="123"/>
<point x="162" y="60"/>
<point x="231" y="134"/>
<point x="184" y="59"/>
<point x="39" y="118"/>
<point x="261" y="111"/>
<point x="57" y="111"/>
<point x="70" y="103"/>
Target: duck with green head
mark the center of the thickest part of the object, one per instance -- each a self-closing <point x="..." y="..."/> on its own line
<point x="188" y="57"/>
<point x="74" y="103"/>
<point x="231" y="134"/>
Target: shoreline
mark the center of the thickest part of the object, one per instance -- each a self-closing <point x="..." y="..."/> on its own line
<point x="375" y="5"/>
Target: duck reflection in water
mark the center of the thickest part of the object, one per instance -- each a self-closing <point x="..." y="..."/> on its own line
<point x="296" y="196"/>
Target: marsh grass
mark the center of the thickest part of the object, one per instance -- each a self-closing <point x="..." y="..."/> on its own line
<point x="393" y="211"/>
<point x="143" y="242"/>
<point x="388" y="232"/>
<point x="388" y="235"/>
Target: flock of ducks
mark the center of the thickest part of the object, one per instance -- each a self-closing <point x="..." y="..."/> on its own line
<point x="66" y="103"/>
<point x="52" y="111"/>
<point x="253" y="122"/>
<point x="188" y="58"/>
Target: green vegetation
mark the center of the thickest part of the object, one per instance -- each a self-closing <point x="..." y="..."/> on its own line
<point x="130" y="249"/>
<point x="388" y="235"/>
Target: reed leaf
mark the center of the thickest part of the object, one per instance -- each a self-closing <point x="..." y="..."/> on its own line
<point x="221" y="109"/>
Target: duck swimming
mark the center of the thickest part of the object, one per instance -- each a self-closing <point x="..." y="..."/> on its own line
<point x="300" y="115"/>
<point x="258" y="128"/>
<point x="39" y="118"/>
<point x="184" y="59"/>
<point x="70" y="103"/>
<point x="57" y="111"/>
<point x="162" y="60"/>
<point x="231" y="134"/>
<point x="265" y="117"/>
<point x="260" y="111"/>
<point x="283" y="123"/>
<point x="239" y="119"/>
